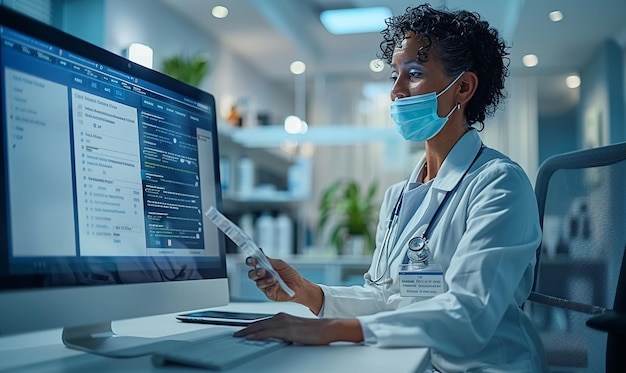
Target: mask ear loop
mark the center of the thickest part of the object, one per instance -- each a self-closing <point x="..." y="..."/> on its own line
<point x="454" y="108"/>
<point x="458" y="104"/>
<point x="451" y="84"/>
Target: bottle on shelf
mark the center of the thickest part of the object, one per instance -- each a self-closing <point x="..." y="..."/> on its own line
<point x="245" y="177"/>
<point x="284" y="235"/>
<point x="246" y="223"/>
<point x="299" y="178"/>
<point x="225" y="174"/>
<point x="265" y="234"/>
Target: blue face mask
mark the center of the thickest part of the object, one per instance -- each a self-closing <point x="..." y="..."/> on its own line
<point x="416" y="116"/>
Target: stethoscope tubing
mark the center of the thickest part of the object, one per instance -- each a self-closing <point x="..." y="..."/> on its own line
<point x="393" y="222"/>
<point x="385" y="249"/>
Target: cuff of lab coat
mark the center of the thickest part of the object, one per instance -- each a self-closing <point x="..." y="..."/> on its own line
<point x="369" y="338"/>
<point x="322" y="309"/>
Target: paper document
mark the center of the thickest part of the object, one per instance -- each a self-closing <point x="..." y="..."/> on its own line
<point x="249" y="247"/>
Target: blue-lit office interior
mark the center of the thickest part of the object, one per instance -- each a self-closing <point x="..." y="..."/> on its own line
<point x="302" y="115"/>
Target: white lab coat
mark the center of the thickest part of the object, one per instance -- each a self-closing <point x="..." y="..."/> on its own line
<point x="485" y="238"/>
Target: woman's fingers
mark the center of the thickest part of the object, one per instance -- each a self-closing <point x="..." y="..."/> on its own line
<point x="256" y="274"/>
<point x="307" y="331"/>
<point x="252" y="262"/>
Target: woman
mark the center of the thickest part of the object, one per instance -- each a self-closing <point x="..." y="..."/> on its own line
<point x="473" y="207"/>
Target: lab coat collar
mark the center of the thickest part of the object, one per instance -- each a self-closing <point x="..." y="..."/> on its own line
<point x="456" y="163"/>
<point x="452" y="170"/>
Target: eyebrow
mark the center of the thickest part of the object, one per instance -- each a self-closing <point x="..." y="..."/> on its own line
<point x="417" y="61"/>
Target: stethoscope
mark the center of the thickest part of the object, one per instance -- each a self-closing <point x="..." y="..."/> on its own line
<point x="393" y="222"/>
<point x="418" y="251"/>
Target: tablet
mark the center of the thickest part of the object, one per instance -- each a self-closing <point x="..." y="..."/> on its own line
<point x="223" y="317"/>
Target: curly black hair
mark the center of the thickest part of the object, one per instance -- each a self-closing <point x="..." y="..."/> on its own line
<point x="463" y="42"/>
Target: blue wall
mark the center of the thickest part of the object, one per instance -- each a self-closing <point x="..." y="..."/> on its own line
<point x="602" y="90"/>
<point x="557" y="134"/>
<point x="84" y="19"/>
<point x="601" y="98"/>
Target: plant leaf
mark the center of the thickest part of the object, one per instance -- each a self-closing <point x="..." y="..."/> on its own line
<point x="352" y="209"/>
<point x="190" y="70"/>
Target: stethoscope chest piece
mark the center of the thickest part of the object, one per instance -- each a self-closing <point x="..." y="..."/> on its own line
<point x="418" y="251"/>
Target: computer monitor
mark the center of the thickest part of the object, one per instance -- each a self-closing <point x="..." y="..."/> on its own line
<point x="107" y="168"/>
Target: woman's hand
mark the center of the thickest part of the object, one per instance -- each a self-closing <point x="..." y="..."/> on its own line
<point x="304" y="331"/>
<point x="307" y="293"/>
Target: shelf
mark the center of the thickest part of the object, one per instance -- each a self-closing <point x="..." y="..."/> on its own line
<point x="336" y="134"/>
<point x="274" y="182"/>
<point x="262" y="197"/>
<point x="234" y="202"/>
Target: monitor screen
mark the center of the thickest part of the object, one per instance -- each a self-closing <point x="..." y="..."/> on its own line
<point x="107" y="169"/>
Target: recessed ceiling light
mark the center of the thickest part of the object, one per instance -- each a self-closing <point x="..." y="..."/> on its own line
<point x="355" y="20"/>
<point x="297" y="67"/>
<point x="219" y="11"/>
<point x="377" y="65"/>
<point x="530" y="60"/>
<point x="572" y="81"/>
<point x="555" y="16"/>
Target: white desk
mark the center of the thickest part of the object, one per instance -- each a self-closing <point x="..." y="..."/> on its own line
<point x="45" y="352"/>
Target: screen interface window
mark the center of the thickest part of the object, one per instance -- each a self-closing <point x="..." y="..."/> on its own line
<point x="100" y="163"/>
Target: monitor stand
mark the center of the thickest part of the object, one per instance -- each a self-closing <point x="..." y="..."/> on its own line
<point x="101" y="340"/>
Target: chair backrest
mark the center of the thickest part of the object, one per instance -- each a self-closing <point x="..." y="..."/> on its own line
<point x="581" y="197"/>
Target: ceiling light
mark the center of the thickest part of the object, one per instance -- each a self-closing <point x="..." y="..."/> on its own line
<point x="555" y="16"/>
<point x="530" y="60"/>
<point x="377" y="65"/>
<point x="355" y="20"/>
<point x="140" y="53"/>
<point x="219" y="11"/>
<point x="297" y="67"/>
<point x="572" y="81"/>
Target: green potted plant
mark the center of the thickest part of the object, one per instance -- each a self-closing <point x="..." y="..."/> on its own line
<point x="352" y="212"/>
<point x="190" y="70"/>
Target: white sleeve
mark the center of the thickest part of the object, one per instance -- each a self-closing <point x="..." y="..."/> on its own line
<point x="352" y="301"/>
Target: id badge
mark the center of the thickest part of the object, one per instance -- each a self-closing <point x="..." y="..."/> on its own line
<point x="420" y="281"/>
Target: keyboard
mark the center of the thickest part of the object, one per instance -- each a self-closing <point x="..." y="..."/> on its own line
<point x="217" y="352"/>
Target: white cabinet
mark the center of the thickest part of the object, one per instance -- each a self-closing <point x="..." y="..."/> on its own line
<point x="339" y="270"/>
<point x="268" y="167"/>
<point x="267" y="190"/>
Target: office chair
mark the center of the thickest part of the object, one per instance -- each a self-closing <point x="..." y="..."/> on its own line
<point x="580" y="268"/>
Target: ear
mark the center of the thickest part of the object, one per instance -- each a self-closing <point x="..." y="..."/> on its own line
<point x="468" y="84"/>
